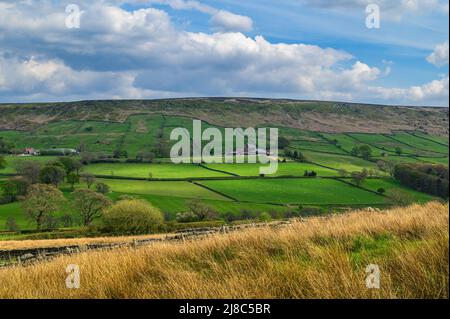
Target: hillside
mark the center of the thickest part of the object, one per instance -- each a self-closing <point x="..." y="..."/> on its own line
<point x="316" y="258"/>
<point x="235" y="112"/>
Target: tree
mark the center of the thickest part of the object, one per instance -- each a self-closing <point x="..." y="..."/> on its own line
<point x="342" y="172"/>
<point x="5" y="147"/>
<point x="87" y="157"/>
<point x="355" y="151"/>
<point x="42" y="201"/>
<point x="2" y="163"/>
<point x="73" y="178"/>
<point x="365" y="152"/>
<point x="89" y="204"/>
<point x="102" y="188"/>
<point x="11" y="224"/>
<point x="203" y="211"/>
<point x="144" y="156"/>
<point x="301" y="157"/>
<point x="359" y="177"/>
<point x="15" y="187"/>
<point x="283" y="142"/>
<point x="52" y="174"/>
<point x="401" y="197"/>
<point x="30" y="170"/>
<point x="132" y="217"/>
<point x="70" y="164"/>
<point x="118" y="153"/>
<point x="386" y="166"/>
<point x="88" y="178"/>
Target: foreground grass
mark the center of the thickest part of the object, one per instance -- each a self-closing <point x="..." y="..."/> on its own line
<point x="318" y="258"/>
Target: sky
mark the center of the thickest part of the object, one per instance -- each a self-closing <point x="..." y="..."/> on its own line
<point x="297" y="49"/>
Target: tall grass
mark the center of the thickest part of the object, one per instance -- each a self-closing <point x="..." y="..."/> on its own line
<point x="318" y="258"/>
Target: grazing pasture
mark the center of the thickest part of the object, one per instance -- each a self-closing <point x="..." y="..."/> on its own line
<point x="314" y="191"/>
<point x="346" y="162"/>
<point x="284" y="169"/>
<point x="222" y="186"/>
<point x="390" y="186"/>
<point x="170" y="189"/>
<point x="152" y="170"/>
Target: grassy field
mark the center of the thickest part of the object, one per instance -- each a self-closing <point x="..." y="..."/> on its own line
<point x="150" y="132"/>
<point x="315" y="191"/>
<point x="170" y="189"/>
<point x="319" y="258"/>
<point x="420" y="143"/>
<point x="284" y="169"/>
<point x="346" y="162"/>
<point x="153" y="170"/>
<point x="390" y="185"/>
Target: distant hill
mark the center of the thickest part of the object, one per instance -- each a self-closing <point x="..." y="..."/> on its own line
<point x="239" y="112"/>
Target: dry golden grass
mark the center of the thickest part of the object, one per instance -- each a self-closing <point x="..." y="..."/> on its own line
<point x="319" y="258"/>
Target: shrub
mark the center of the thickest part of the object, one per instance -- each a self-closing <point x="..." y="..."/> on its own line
<point x="132" y="217"/>
<point x="102" y="188"/>
<point x="187" y="217"/>
<point x="381" y="190"/>
<point x="311" y="211"/>
<point x="265" y="217"/>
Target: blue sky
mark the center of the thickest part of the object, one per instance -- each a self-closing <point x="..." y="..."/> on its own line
<point x="300" y="49"/>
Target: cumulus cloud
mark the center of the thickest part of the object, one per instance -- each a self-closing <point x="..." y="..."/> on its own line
<point x="221" y="20"/>
<point x="439" y="57"/>
<point x="433" y="91"/>
<point x="227" y="21"/>
<point x="141" y="54"/>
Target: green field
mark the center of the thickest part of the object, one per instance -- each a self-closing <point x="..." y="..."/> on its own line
<point x="172" y="189"/>
<point x="153" y="170"/>
<point x="284" y="169"/>
<point x="420" y="143"/>
<point x="221" y="185"/>
<point x="314" y="191"/>
<point x="347" y="162"/>
<point x="390" y="185"/>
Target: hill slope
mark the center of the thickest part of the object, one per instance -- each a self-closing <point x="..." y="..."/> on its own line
<point x="236" y="112"/>
<point x="317" y="258"/>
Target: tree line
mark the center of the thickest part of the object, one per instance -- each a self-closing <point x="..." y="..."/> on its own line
<point x="426" y="178"/>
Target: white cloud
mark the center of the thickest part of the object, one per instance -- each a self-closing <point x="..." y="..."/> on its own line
<point x="221" y="20"/>
<point x="434" y="91"/>
<point x="227" y="21"/>
<point x="439" y="57"/>
<point x="140" y="54"/>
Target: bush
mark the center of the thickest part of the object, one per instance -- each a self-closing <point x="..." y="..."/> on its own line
<point x="187" y="217"/>
<point x="102" y="188"/>
<point x="311" y="211"/>
<point x="381" y="190"/>
<point x="132" y="217"/>
<point x="265" y="217"/>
